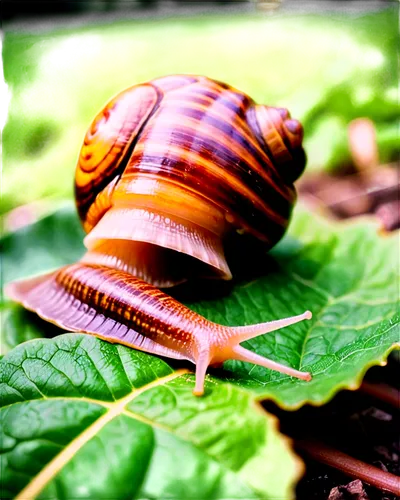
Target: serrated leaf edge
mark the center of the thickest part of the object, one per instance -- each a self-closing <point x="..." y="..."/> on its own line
<point x="351" y="386"/>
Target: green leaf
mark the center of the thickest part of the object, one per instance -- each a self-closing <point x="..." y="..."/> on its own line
<point x="82" y="418"/>
<point x="54" y="241"/>
<point x="346" y="274"/>
<point x="19" y="325"/>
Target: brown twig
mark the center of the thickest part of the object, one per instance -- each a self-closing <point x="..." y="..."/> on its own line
<point x="350" y="466"/>
<point x="383" y="392"/>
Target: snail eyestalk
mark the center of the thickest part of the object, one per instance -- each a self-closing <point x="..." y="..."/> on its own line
<point x="243" y="333"/>
<point x="243" y="354"/>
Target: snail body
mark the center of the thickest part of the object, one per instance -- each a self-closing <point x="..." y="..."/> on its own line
<point x="167" y="172"/>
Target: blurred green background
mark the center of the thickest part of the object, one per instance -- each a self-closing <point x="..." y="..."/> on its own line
<point x="326" y="68"/>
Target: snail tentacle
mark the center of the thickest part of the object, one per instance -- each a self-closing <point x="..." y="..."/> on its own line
<point x="202" y="363"/>
<point x="242" y="354"/>
<point x="243" y="333"/>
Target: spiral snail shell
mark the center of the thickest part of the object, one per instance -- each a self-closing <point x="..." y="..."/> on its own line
<point x="167" y="171"/>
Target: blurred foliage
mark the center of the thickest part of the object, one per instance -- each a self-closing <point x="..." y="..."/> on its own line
<point x="326" y="69"/>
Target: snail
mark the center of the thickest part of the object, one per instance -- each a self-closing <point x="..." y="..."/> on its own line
<point x="168" y="170"/>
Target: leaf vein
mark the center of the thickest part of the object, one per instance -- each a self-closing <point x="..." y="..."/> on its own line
<point x="48" y="473"/>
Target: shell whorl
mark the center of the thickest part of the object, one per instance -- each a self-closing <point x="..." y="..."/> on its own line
<point x="106" y="148"/>
<point x="282" y="137"/>
<point x="196" y="153"/>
